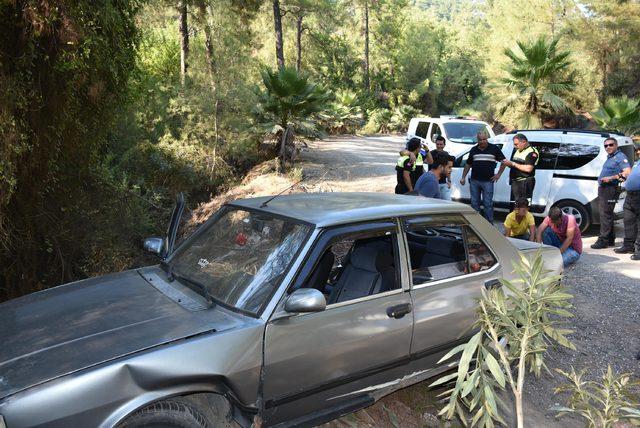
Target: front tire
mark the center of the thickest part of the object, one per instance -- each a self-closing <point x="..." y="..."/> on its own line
<point x="577" y="210"/>
<point x="172" y="413"/>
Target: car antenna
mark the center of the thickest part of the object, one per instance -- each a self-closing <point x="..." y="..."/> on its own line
<point x="265" y="203"/>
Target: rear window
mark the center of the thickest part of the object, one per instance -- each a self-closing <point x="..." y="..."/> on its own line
<point x="573" y="156"/>
<point x="628" y="152"/>
<point x="421" y="130"/>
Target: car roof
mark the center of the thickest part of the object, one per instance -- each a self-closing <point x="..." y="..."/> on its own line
<point x="335" y="208"/>
<point x="586" y="136"/>
<point x="450" y="119"/>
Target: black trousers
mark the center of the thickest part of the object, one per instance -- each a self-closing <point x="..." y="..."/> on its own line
<point x="631" y="209"/>
<point x="607" y="198"/>
<point x="523" y="188"/>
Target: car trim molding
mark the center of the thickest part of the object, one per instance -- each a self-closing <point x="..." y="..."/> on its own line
<point x="575" y="177"/>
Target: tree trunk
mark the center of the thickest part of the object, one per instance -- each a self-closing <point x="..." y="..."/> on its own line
<point x="299" y="42"/>
<point x="366" y="46"/>
<point x="184" y="40"/>
<point x="211" y="65"/>
<point x="208" y="43"/>
<point x="287" y="147"/>
<point x="277" y="20"/>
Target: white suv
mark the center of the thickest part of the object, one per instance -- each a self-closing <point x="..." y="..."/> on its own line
<point x="566" y="174"/>
<point x="459" y="133"/>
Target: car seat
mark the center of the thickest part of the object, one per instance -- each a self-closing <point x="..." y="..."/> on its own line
<point x="442" y="250"/>
<point x="369" y="271"/>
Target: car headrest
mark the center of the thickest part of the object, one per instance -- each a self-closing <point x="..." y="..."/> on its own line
<point x="364" y="258"/>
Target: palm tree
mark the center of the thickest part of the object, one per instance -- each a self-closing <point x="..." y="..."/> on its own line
<point x="619" y="114"/>
<point x="289" y="101"/>
<point x="538" y="80"/>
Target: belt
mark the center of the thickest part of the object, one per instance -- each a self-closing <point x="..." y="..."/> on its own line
<point x="522" y="178"/>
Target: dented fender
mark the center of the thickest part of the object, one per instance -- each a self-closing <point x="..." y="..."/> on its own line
<point x="105" y="395"/>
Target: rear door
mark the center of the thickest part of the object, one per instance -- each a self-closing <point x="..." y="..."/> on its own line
<point x="450" y="264"/>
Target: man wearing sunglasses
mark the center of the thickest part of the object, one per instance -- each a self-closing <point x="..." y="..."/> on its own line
<point x="614" y="171"/>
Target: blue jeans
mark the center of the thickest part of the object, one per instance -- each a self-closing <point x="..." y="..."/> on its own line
<point x="445" y="192"/>
<point x="569" y="256"/>
<point x="482" y="190"/>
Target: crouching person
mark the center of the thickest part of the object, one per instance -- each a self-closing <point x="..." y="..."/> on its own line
<point x="519" y="223"/>
<point x="561" y="231"/>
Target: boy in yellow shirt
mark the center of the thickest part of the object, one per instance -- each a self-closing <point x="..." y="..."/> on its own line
<point x="519" y="223"/>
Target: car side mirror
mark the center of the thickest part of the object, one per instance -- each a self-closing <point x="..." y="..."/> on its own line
<point x="154" y="246"/>
<point x="305" y="300"/>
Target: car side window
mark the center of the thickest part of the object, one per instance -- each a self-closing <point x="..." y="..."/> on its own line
<point x="548" y="154"/>
<point x="422" y="129"/>
<point x="355" y="266"/>
<point x="442" y="249"/>
<point x="573" y="156"/>
<point x="435" y="131"/>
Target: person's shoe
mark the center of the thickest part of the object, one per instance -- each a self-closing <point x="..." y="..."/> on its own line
<point x="625" y="249"/>
<point x="635" y="256"/>
<point x="599" y="244"/>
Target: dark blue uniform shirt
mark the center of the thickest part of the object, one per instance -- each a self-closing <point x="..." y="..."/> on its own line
<point x="614" y="165"/>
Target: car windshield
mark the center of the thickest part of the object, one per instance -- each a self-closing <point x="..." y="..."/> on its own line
<point x="464" y="132"/>
<point x="241" y="256"/>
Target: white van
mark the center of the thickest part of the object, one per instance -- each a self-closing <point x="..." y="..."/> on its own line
<point x="566" y="174"/>
<point x="459" y="133"/>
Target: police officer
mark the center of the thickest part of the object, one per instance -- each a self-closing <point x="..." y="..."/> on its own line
<point x="615" y="169"/>
<point x="522" y="175"/>
<point x="419" y="159"/>
<point x="406" y="166"/>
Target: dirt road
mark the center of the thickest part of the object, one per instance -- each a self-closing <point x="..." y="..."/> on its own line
<point x="605" y="285"/>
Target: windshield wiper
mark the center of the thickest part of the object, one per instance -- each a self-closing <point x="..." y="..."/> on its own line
<point x="190" y="283"/>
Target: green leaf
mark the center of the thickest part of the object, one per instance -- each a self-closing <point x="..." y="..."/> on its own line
<point x="467" y="354"/>
<point x="452" y="352"/>
<point x="443" y="379"/>
<point x="491" y="401"/>
<point x="495" y="369"/>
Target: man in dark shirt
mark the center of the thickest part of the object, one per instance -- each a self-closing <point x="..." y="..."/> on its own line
<point x="523" y="168"/>
<point x="445" y="181"/>
<point x="427" y="184"/>
<point x="614" y="171"/>
<point x="482" y="162"/>
<point x="405" y="166"/>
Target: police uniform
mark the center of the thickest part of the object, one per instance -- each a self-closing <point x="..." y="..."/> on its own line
<point x="403" y="164"/>
<point x="522" y="183"/>
<point x="418" y="169"/>
<point x="608" y="194"/>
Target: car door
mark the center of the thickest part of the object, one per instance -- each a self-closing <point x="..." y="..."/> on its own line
<point x="450" y="264"/>
<point x="331" y="360"/>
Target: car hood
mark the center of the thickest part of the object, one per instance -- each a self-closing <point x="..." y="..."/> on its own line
<point x="58" y="331"/>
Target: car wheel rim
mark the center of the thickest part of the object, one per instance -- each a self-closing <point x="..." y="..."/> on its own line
<point x="574" y="212"/>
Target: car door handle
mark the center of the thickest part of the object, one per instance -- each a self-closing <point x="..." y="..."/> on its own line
<point x="398" y="311"/>
<point x="492" y="283"/>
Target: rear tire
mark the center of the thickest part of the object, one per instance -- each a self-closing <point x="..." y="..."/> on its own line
<point x="171" y="413"/>
<point x="577" y="210"/>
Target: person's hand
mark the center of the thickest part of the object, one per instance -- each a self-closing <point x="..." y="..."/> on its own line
<point x="448" y="184"/>
<point x="495" y="178"/>
<point x="606" y="179"/>
<point x="462" y="181"/>
<point x="412" y="156"/>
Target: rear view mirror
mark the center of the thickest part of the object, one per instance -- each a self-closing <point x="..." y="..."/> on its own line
<point x="305" y="300"/>
<point x="154" y="246"/>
